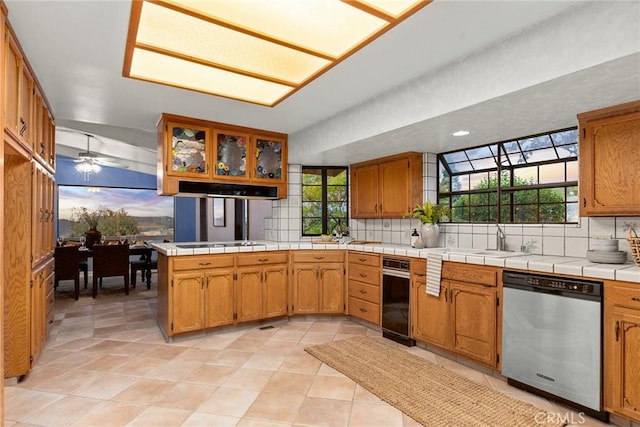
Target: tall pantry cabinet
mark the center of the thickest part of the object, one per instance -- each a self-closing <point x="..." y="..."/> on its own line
<point x="28" y="168"/>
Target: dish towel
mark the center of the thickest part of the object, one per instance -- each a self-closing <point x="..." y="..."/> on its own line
<point x="434" y="267"/>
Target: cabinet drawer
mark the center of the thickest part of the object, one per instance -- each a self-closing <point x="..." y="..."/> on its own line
<point x="364" y="291"/>
<point x="202" y="262"/>
<point x="623" y="294"/>
<point x="318" y="256"/>
<point x="262" y="258"/>
<point x="470" y="274"/>
<point x="364" y="310"/>
<point x="363" y="273"/>
<point x="364" y="259"/>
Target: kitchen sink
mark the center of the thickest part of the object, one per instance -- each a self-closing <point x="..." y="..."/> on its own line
<point x="493" y="253"/>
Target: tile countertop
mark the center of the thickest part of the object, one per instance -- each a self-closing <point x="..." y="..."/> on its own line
<point x="573" y="266"/>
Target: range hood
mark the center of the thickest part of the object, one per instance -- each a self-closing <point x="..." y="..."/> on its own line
<point x="235" y="191"/>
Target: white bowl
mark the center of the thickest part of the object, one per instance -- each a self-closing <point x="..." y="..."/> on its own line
<point x="604" y="245"/>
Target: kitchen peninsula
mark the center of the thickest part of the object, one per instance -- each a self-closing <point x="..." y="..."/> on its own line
<point x="202" y="285"/>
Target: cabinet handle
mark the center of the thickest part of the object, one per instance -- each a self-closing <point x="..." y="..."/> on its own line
<point x="375" y="208"/>
<point x="362" y="291"/>
<point x="445" y="296"/>
<point x="451" y="296"/>
<point x="362" y="259"/>
<point x="617" y="330"/>
<point x="380" y="207"/>
<point x="318" y="257"/>
<point x="584" y="202"/>
<point x="263" y="259"/>
<point x="363" y="275"/>
<point x="635" y="299"/>
<point x="364" y="310"/>
<point x="204" y="263"/>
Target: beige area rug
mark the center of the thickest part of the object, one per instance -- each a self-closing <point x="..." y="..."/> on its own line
<point x="428" y="393"/>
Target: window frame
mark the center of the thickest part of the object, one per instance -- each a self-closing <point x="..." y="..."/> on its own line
<point x="501" y="152"/>
<point x="324" y="201"/>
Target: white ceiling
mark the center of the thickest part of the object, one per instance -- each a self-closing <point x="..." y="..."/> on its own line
<point x="76" y="49"/>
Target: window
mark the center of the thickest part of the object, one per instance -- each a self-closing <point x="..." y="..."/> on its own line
<point x="147" y="215"/>
<point x="538" y="180"/>
<point x="324" y="199"/>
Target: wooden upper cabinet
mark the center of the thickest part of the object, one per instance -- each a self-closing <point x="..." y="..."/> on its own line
<point x="25" y="120"/>
<point x="230" y="162"/>
<point x="364" y="191"/>
<point x="188" y="150"/>
<point x="13" y="73"/>
<point x="610" y="161"/>
<point x="203" y="151"/>
<point x="270" y="159"/>
<point x="386" y="188"/>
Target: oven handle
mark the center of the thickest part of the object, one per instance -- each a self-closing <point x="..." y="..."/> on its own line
<point x="396" y="273"/>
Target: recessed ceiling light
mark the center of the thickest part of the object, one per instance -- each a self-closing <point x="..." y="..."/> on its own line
<point x="461" y="133"/>
<point x="254" y="51"/>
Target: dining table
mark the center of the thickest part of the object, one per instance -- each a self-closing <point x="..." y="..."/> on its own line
<point x="145" y="251"/>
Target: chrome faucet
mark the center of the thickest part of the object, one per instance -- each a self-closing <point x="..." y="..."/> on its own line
<point x="500" y="239"/>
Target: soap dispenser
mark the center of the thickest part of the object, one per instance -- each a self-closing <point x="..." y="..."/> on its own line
<point x="414" y="237"/>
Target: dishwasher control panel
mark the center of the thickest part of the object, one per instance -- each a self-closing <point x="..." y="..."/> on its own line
<point x="549" y="283"/>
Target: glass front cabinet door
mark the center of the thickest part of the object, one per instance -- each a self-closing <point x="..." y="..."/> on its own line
<point x="231" y="161"/>
<point x="188" y="151"/>
<point x="270" y="159"/>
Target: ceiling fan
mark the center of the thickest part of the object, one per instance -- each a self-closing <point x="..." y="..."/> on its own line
<point x="89" y="162"/>
<point x="92" y="160"/>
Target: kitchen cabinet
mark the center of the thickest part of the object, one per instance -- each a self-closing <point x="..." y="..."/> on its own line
<point x="201" y="293"/>
<point x="386" y="188"/>
<point x="187" y="150"/>
<point x="610" y="161"/>
<point x="201" y="151"/>
<point x="43" y="215"/>
<point x="41" y="289"/>
<point x="261" y="286"/>
<point x="318" y="282"/>
<point x="621" y="349"/>
<point x="365" y="276"/>
<point x="463" y="318"/>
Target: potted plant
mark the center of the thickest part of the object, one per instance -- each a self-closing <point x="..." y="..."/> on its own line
<point x="430" y="216"/>
<point x="92" y="219"/>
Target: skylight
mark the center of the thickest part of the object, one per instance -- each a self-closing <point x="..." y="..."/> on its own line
<point x="251" y="50"/>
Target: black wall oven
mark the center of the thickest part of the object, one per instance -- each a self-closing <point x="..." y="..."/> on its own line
<point x="396" y="285"/>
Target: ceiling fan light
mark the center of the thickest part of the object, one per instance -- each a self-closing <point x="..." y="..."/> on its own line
<point x="88" y="167"/>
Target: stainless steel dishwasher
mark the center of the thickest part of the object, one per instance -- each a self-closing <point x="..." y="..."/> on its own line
<point x="551" y="338"/>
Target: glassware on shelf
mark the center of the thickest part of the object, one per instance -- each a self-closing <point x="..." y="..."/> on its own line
<point x="123" y="239"/>
<point x="103" y="238"/>
<point x="82" y="241"/>
<point x="60" y="241"/>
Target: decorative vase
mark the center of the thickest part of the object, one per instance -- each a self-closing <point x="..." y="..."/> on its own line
<point x="92" y="236"/>
<point x="430" y="235"/>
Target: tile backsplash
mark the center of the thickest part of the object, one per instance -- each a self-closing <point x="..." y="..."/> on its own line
<point x="545" y="239"/>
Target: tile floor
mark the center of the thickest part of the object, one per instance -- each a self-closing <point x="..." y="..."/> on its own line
<point x="106" y="364"/>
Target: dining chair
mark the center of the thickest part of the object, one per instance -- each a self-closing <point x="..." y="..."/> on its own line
<point x="68" y="266"/>
<point x="144" y="266"/>
<point x="109" y="261"/>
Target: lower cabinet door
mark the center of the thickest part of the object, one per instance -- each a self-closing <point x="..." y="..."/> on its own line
<point x="275" y="290"/>
<point x="626" y="362"/>
<point x="218" y="298"/>
<point x="473" y="322"/>
<point x="187" y="302"/>
<point x="305" y="289"/>
<point x="431" y="316"/>
<point x="331" y="278"/>
<point x="249" y="294"/>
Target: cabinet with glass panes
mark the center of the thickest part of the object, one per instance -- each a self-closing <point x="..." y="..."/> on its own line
<point x="200" y="150"/>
